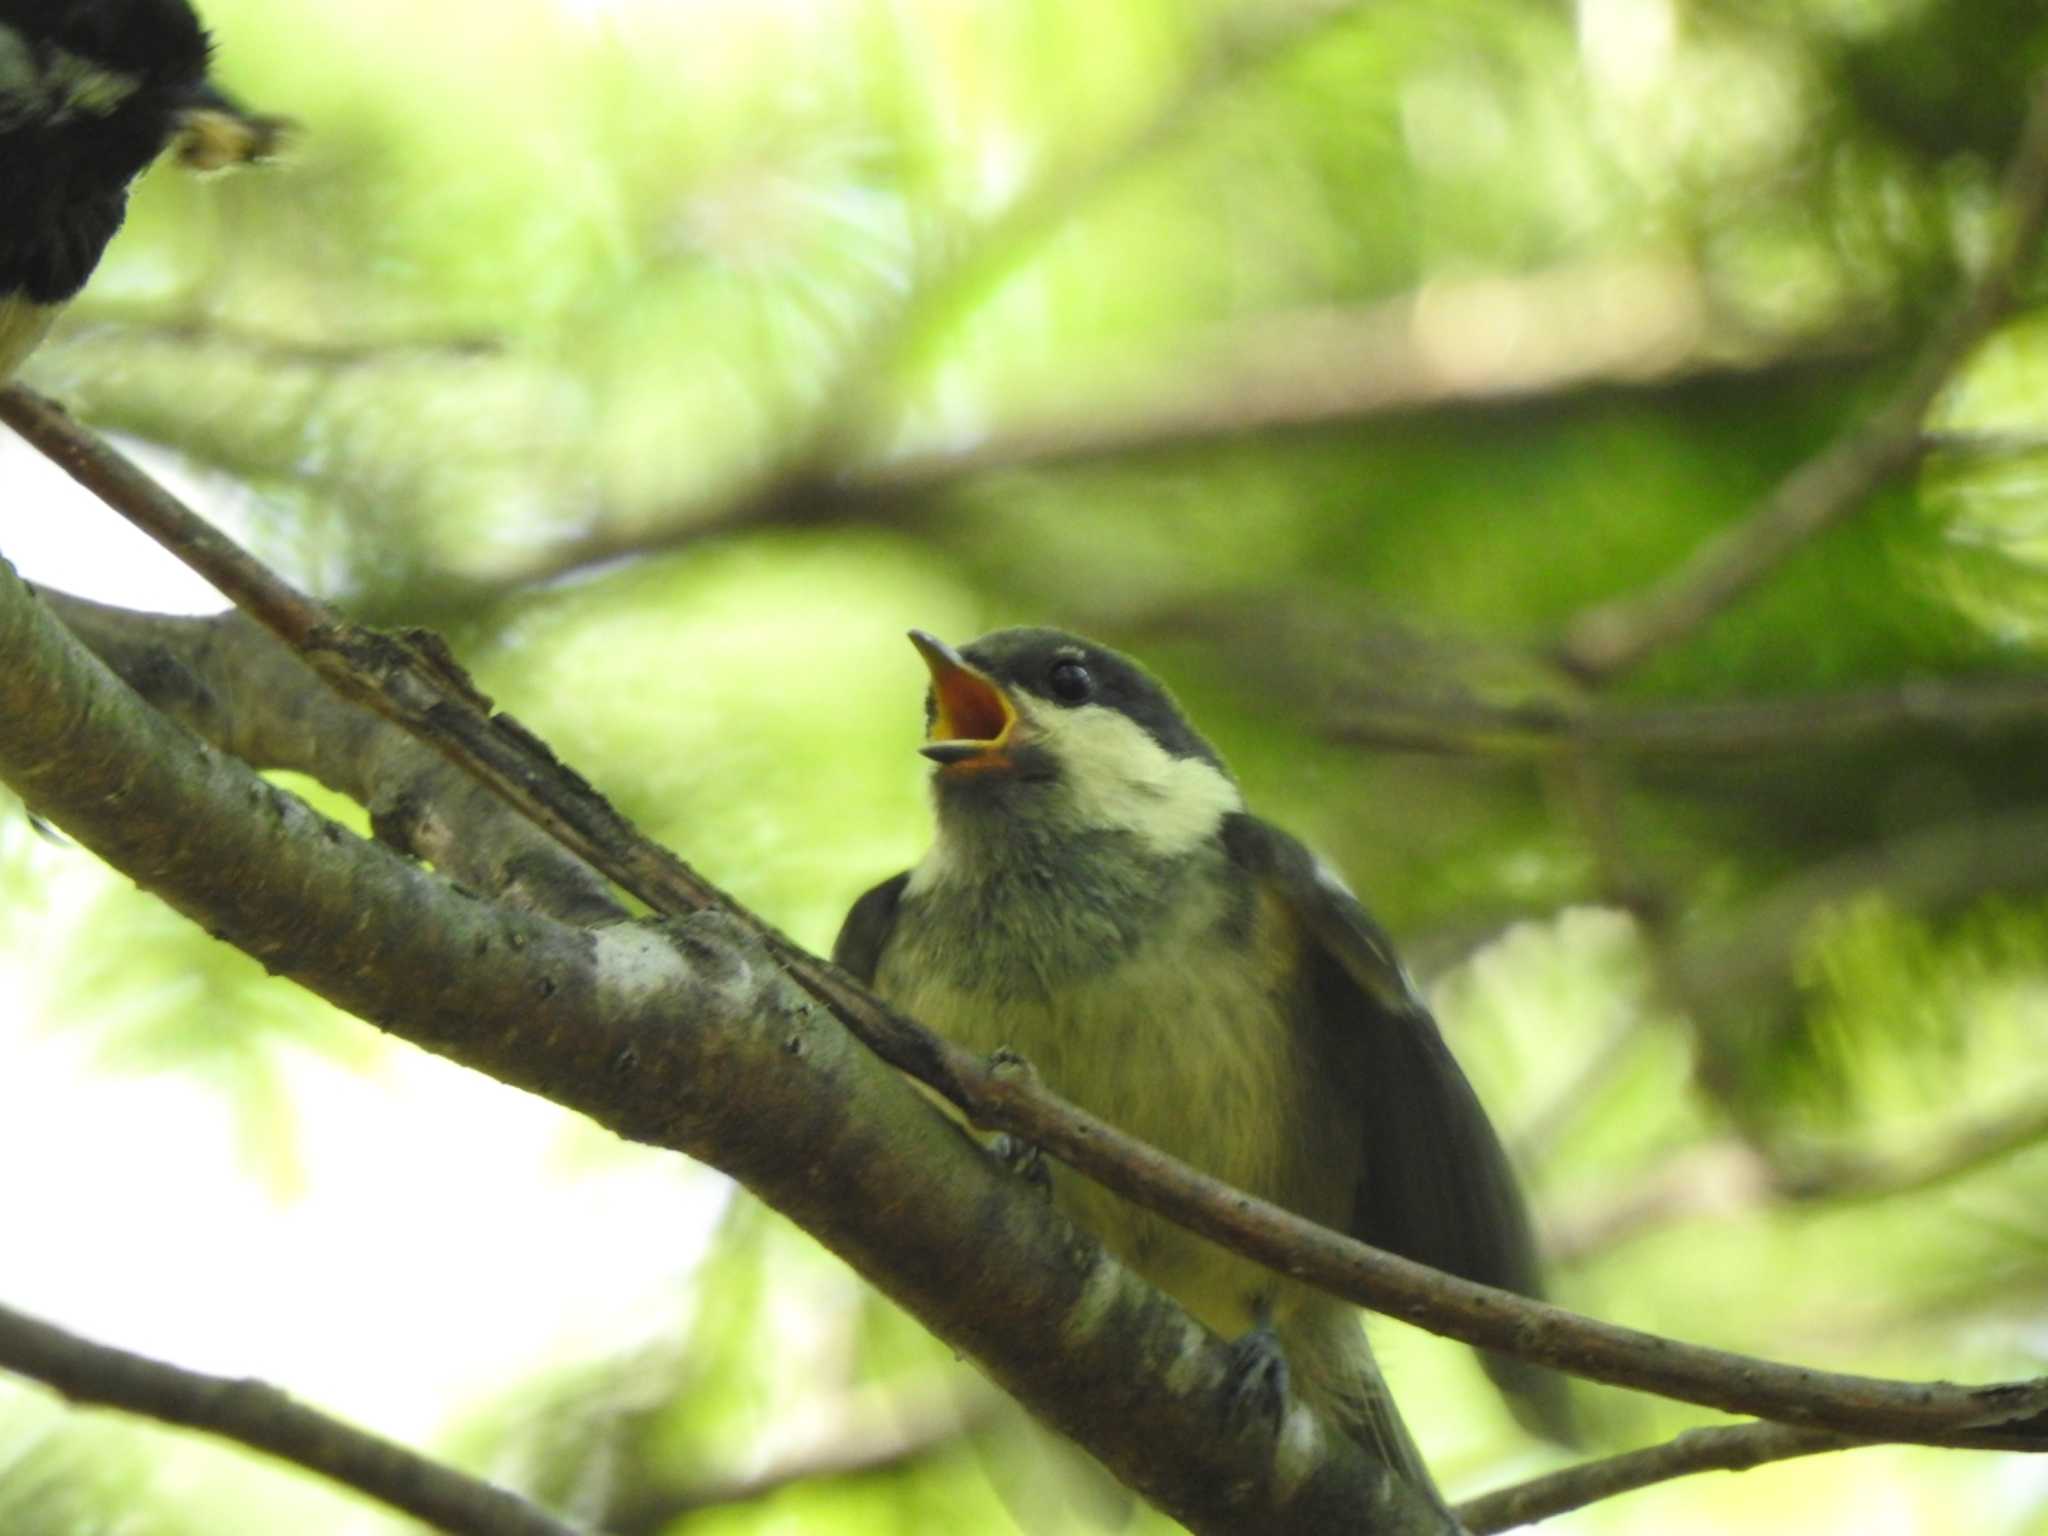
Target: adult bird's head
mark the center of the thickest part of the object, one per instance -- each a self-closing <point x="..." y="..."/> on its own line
<point x="92" y="91"/>
<point x="1046" y="732"/>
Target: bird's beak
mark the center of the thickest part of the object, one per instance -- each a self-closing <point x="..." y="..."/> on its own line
<point x="214" y="131"/>
<point x="972" y="716"/>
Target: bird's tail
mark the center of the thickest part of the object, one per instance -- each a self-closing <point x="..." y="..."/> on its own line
<point x="1333" y="1367"/>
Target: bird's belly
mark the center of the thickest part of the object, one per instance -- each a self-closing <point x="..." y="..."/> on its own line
<point x="1197" y="1057"/>
<point x="22" y="324"/>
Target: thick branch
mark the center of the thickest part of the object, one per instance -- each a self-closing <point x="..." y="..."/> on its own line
<point x="258" y="1415"/>
<point x="1615" y="636"/>
<point x="234" y="685"/>
<point x="685" y="1036"/>
<point x="419" y="685"/>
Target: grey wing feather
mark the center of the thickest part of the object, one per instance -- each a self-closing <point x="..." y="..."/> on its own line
<point x="1437" y="1185"/>
<point x="862" y="937"/>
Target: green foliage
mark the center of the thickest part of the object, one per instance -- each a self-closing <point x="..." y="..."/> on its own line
<point x="675" y="359"/>
<point x="72" y="1484"/>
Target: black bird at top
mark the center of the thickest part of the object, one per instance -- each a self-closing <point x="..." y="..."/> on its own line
<point x="91" y="92"/>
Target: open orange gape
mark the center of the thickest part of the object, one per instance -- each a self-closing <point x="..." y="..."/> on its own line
<point x="972" y="715"/>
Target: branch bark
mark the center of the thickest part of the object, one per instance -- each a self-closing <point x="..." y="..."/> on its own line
<point x="417" y="684"/>
<point x="1734" y="730"/>
<point x="258" y="1415"/>
<point x="233" y="684"/>
<point x="1732" y="1448"/>
<point x="685" y="1035"/>
<point x="1729" y="1175"/>
<point x="1276" y="373"/>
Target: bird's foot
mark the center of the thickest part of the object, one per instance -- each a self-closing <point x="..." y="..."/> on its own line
<point x="1023" y="1159"/>
<point x="1259" y="1379"/>
<point x="1004" y="1062"/>
<point x="1015" y="1153"/>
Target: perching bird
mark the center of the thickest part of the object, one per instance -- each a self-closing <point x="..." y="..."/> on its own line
<point x="92" y="91"/>
<point x="1098" y="900"/>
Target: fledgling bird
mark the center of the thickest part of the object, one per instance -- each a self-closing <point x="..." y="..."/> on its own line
<point x="1098" y="899"/>
<point x="92" y="91"/>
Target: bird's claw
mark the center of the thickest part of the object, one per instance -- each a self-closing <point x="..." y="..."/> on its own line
<point x="1023" y="1159"/>
<point x="1014" y="1152"/>
<point x="1259" y="1379"/>
<point x="1004" y="1062"/>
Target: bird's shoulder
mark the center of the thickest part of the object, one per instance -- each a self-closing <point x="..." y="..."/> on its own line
<point x="865" y="933"/>
<point x="1332" y="920"/>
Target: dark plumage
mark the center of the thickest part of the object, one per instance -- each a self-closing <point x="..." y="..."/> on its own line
<point x="90" y="93"/>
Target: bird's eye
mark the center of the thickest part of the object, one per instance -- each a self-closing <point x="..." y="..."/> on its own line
<point x="1070" y="682"/>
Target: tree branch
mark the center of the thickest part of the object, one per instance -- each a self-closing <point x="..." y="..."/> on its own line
<point x="232" y="684"/>
<point x="419" y="685"/>
<point x="1731" y="1448"/>
<point x="1612" y="637"/>
<point x="1637" y="321"/>
<point x="1392" y="686"/>
<point x="1930" y="868"/>
<point x="1737" y="729"/>
<point x="1729" y="1175"/>
<point x="258" y="1415"/>
<point x="1283" y="372"/>
<point x="685" y="1035"/>
<point x="134" y="326"/>
<point x="1960" y="1151"/>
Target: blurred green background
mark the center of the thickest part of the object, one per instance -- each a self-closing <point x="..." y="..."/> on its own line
<point x="674" y="358"/>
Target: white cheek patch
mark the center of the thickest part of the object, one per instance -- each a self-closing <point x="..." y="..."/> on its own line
<point x="54" y="85"/>
<point x="1116" y="775"/>
<point x="21" y="83"/>
<point x="79" y="85"/>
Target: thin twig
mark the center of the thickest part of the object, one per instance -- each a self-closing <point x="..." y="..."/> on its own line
<point x="1727" y="1176"/>
<point x="1733" y="1448"/>
<point x="1958" y="1153"/>
<point x="1930" y="869"/>
<point x="1735" y="730"/>
<point x="258" y="1415"/>
<point x="1233" y="385"/>
<point x="1609" y="639"/>
<point x="416" y="683"/>
<point x="140" y="326"/>
<point x="1636" y="322"/>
